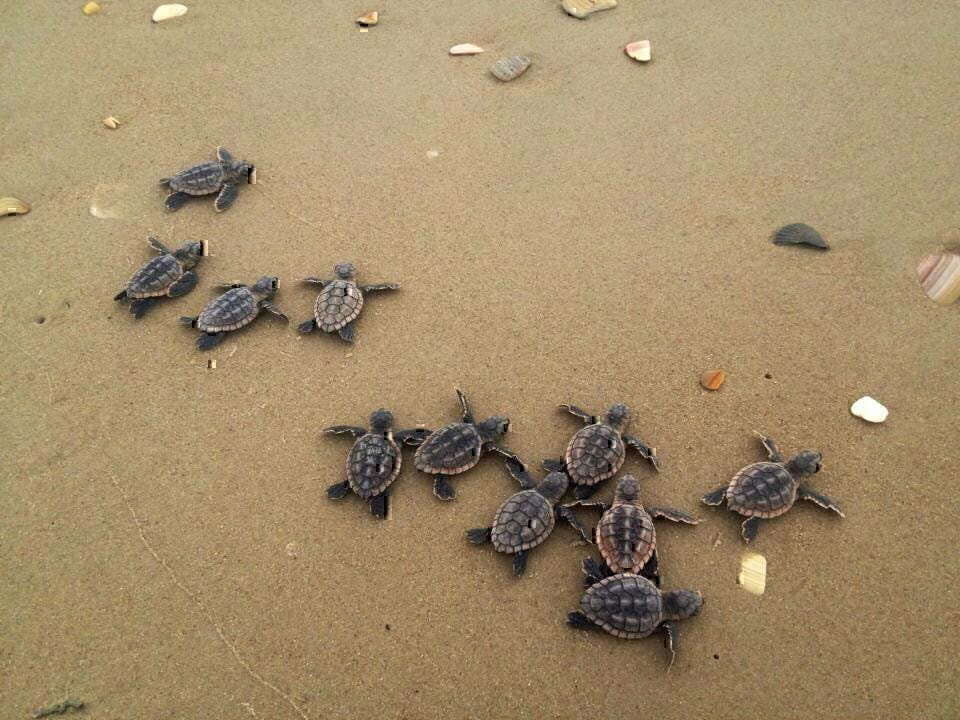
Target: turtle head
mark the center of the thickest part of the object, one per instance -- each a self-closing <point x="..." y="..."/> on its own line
<point x="492" y="428"/>
<point x="554" y="486"/>
<point x="681" y="604"/>
<point x="804" y="463"/>
<point x="381" y="420"/>
<point x="189" y="254"/>
<point x="242" y="170"/>
<point x="617" y="417"/>
<point x="344" y="271"/>
<point x="628" y="490"/>
<point x="266" y="287"/>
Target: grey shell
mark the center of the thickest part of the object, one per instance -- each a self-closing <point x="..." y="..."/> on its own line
<point x="595" y="453"/>
<point x="524" y="521"/>
<point x="373" y="463"/>
<point x="232" y="310"/>
<point x="338" y="304"/>
<point x="155" y="277"/>
<point x="763" y="489"/>
<point x="450" y="450"/>
<point x="198" y="180"/>
<point x="626" y="537"/>
<point x="625" y="605"/>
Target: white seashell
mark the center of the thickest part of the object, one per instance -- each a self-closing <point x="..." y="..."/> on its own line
<point x="582" y="8"/>
<point x="111" y="122"/>
<point x="639" y="50"/>
<point x="510" y="68"/>
<point x="466" y="49"/>
<point x="753" y="573"/>
<point x="166" y="12"/>
<point x="13" y="206"/>
<point x="940" y="277"/>
<point x="370" y="19"/>
<point x="869" y="409"/>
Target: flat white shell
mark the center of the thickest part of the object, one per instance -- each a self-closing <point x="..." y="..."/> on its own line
<point x="166" y="12"/>
<point x="639" y="50"/>
<point x="753" y="573"/>
<point x="466" y="49"/>
<point x="869" y="409"/>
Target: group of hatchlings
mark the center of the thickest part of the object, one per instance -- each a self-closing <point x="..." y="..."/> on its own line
<point x="623" y="595"/>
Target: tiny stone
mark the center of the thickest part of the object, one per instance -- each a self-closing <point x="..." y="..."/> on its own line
<point x="582" y="8"/>
<point x="509" y="68"/>
<point x="111" y="122"/>
<point x="91" y="8"/>
<point x="370" y="19"/>
<point x="712" y="379"/>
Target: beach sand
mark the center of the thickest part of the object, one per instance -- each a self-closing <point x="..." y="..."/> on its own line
<point x="596" y="231"/>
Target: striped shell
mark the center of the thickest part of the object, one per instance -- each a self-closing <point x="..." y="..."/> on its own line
<point x="595" y="453"/>
<point x="450" y="450"/>
<point x="524" y="521"/>
<point x="763" y="489"/>
<point x="232" y="310"/>
<point x="155" y="277"/>
<point x="510" y="68"/>
<point x="373" y="463"/>
<point x="799" y="234"/>
<point x="198" y="180"/>
<point x="626" y="538"/>
<point x="338" y="304"/>
<point x="625" y="605"/>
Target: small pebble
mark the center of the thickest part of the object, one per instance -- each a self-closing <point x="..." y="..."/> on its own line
<point x="582" y="8"/>
<point x="466" y="49"/>
<point x="939" y="277"/>
<point x="639" y="51"/>
<point x="370" y="19"/>
<point x="13" y="206"/>
<point x="866" y="408"/>
<point x="111" y="122"/>
<point x="753" y="573"/>
<point x="166" y="12"/>
<point x="510" y="68"/>
<point x="433" y="153"/>
<point x="799" y="234"/>
<point x="91" y="8"/>
<point x="712" y="379"/>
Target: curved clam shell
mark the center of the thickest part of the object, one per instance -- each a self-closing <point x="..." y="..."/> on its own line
<point x="13" y="206"/>
<point x="799" y="234"/>
<point x="511" y="67"/>
<point x="939" y="276"/>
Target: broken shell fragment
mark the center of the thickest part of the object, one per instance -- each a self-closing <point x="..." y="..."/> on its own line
<point x="753" y="573"/>
<point x="466" y="49"/>
<point x="13" y="206"/>
<point x="799" y="234"/>
<point x="939" y="276"/>
<point x="869" y="409"/>
<point x="510" y="68"/>
<point x="91" y="8"/>
<point x="639" y="50"/>
<point x="712" y="379"/>
<point x="166" y="12"/>
<point x="370" y="19"/>
<point x="111" y="122"/>
<point x="582" y="8"/>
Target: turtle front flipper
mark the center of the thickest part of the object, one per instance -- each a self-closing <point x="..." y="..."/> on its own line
<point x="670" y="640"/>
<point x="554" y="465"/>
<point x="673" y="515"/>
<point x="315" y="280"/>
<point x="563" y="512"/>
<point x="443" y="489"/>
<point x="520" y="562"/>
<point x="647" y="452"/>
<point x="122" y="295"/>
<point x="587" y="418"/>
<point x="502" y="452"/>
<point x="518" y="471"/>
<point x="338" y="490"/>
<point x="805" y="493"/>
<point x="348" y="429"/>
<point x="273" y="309"/>
<point x="380" y="287"/>
<point x="749" y="528"/>
<point x="307" y="326"/>
<point x="224" y="156"/>
<point x="464" y="407"/>
<point x="348" y="332"/>
<point x="770" y="446"/>
<point x="139" y="307"/>
<point x="208" y="341"/>
<point x="714" y="497"/>
<point x="228" y="193"/>
<point x="158" y="246"/>
<point x="479" y="536"/>
<point x="378" y="504"/>
<point x="176" y="200"/>
<point x="184" y="284"/>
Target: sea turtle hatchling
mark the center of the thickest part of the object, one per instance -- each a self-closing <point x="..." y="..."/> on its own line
<point x="597" y="451"/>
<point x="222" y="177"/>
<point x="374" y="460"/>
<point x="630" y="606"/>
<point x="234" y="309"/>
<point x="168" y="274"/>
<point x="625" y="535"/>
<point x="339" y="303"/>
<point x="767" y="489"/>
<point x="527" y="517"/>
<point x="457" y="447"/>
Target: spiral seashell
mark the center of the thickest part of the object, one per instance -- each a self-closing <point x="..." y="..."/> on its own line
<point x="510" y="68"/>
<point x="799" y="234"/>
<point x="939" y="276"/>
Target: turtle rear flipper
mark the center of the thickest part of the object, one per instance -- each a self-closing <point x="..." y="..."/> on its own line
<point x="378" y="505"/>
<point x="581" y="622"/>
<point x="348" y="332"/>
<point x="139" y="307"/>
<point x="228" y="193"/>
<point x="520" y="563"/>
<point x="479" y="536"/>
<point x="714" y="497"/>
<point x="307" y="326"/>
<point x="186" y="283"/>
<point x="208" y="341"/>
<point x="749" y="528"/>
<point x="554" y="465"/>
<point x="338" y="490"/>
<point x="805" y="493"/>
<point x="176" y="200"/>
<point x="594" y="571"/>
<point x="443" y="489"/>
<point x="582" y="492"/>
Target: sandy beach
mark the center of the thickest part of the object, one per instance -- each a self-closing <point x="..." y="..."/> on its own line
<point x="596" y="231"/>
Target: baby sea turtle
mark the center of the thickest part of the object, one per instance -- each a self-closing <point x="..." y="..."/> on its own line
<point x="170" y="274"/>
<point x="221" y="177"/>
<point x="631" y="606"/>
<point x="625" y="535"/>
<point x="339" y="303"/>
<point x="527" y="518"/>
<point x="457" y="447"/>
<point x="237" y="307"/>
<point x="597" y="451"/>
<point x="767" y="489"/>
<point x="374" y="460"/>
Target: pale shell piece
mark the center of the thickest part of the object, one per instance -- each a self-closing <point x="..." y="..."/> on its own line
<point x="466" y="49"/>
<point x="753" y="573"/>
<point x="940" y="277"/>
<point x="712" y="379"/>
<point x="639" y="50"/>
<point x="166" y="12"/>
<point x="111" y="122"/>
<point x="370" y="19"/>
<point x="582" y="8"/>
<point x="869" y="409"/>
<point x="91" y="8"/>
<point x="13" y="206"/>
<point x="799" y="234"/>
<point x="510" y="68"/>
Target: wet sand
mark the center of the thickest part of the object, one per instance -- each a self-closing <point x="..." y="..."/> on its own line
<point x="596" y="231"/>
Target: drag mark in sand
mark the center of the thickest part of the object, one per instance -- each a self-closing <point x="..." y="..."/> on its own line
<point x="203" y="608"/>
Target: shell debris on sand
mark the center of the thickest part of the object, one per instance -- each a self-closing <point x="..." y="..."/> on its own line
<point x="712" y="379"/>
<point x="939" y="276"/>
<point x="466" y="49"/>
<point x="91" y="8"/>
<point x="639" y="50"/>
<point x="799" y="234"/>
<point x="583" y="8"/>
<point x="753" y="573"/>
<point x="369" y="19"/>
<point x="111" y="122"/>
<point x="13" y="206"/>
<point x="510" y="68"/>
<point x="167" y="12"/>
<point x="869" y="409"/>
